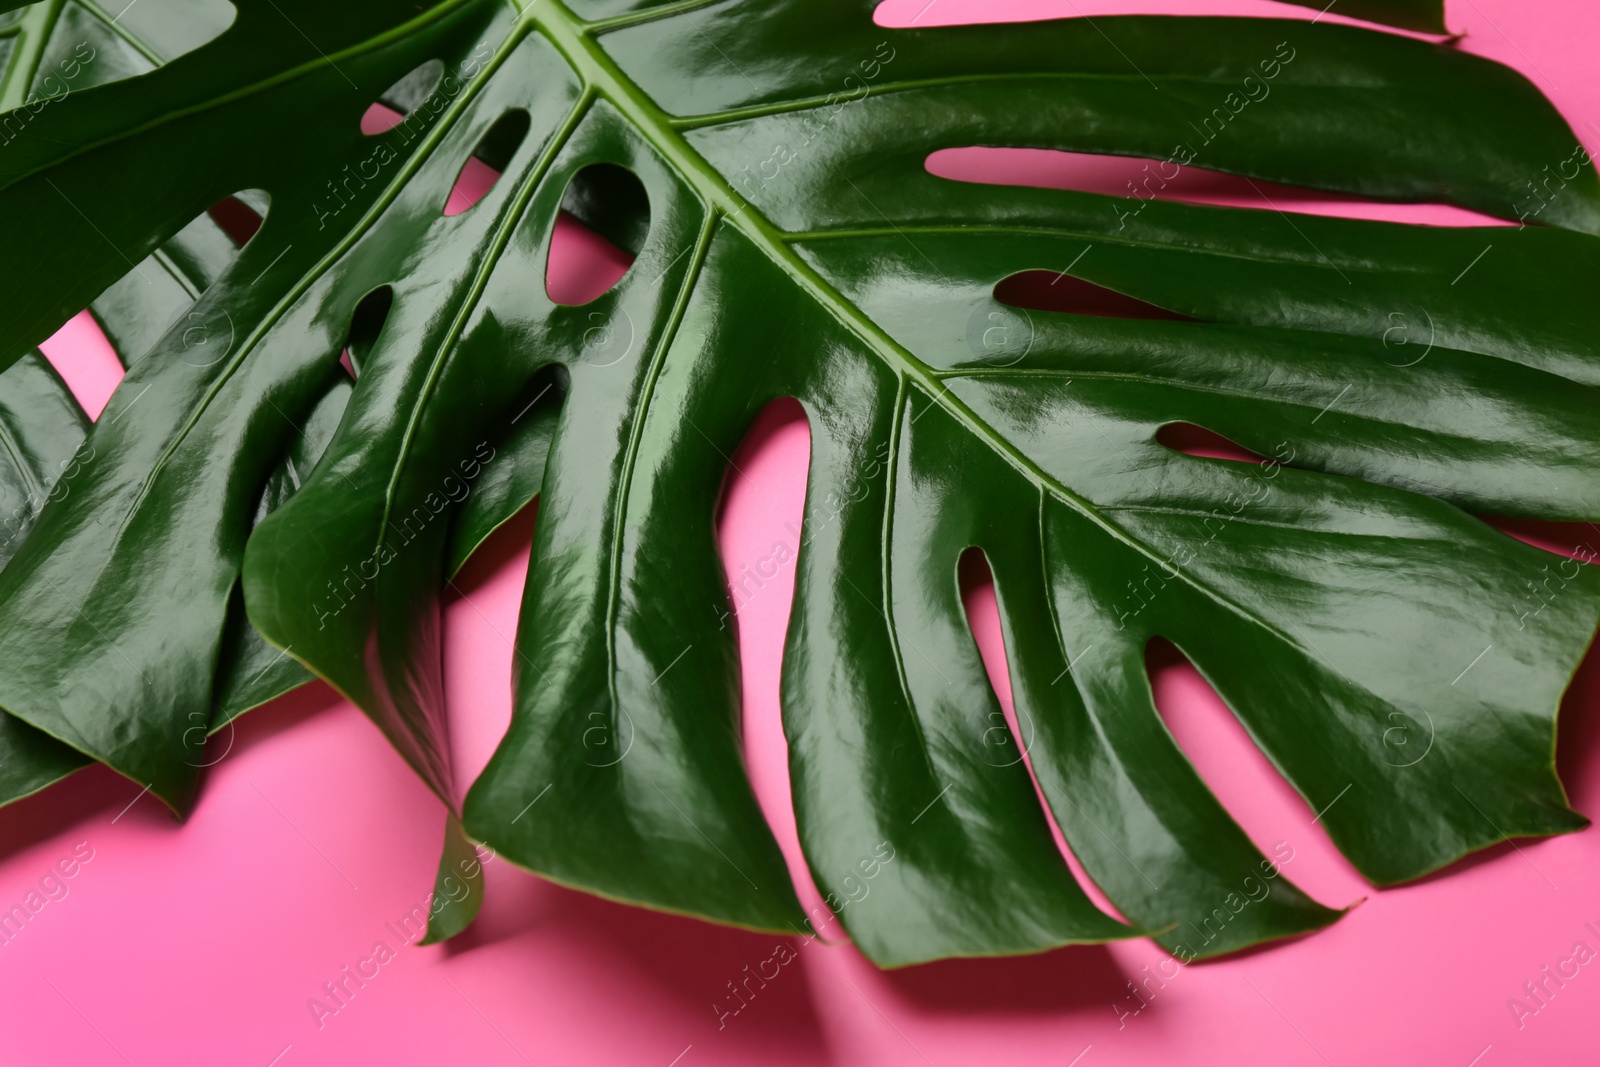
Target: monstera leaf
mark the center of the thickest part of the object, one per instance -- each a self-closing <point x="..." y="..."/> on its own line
<point x="765" y="164"/>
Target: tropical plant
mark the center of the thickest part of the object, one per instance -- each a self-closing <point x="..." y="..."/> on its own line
<point x="242" y="513"/>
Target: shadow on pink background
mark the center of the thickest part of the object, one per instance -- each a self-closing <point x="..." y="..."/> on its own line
<point x="202" y="943"/>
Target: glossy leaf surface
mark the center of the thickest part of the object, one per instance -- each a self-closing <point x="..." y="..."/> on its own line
<point x="764" y="161"/>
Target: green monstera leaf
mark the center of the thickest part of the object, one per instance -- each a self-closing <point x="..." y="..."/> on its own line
<point x="764" y="161"/>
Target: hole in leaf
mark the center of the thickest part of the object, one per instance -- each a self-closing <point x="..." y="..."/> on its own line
<point x="366" y="325"/>
<point x="173" y="29"/>
<point x="582" y="264"/>
<point x="1194" y="440"/>
<point x="240" y="216"/>
<point x="482" y="169"/>
<point x="380" y="119"/>
<point x="604" y="219"/>
<point x="1048" y="290"/>
<point x="751" y="573"/>
<point x="86" y="361"/>
<point x="396" y="103"/>
<point x="759" y="539"/>
<point x="1137" y="180"/>
<point x="1269" y="810"/>
<point x="472" y="185"/>
<point x="611" y="201"/>
<point x="487" y="590"/>
<point x="1008" y="740"/>
<point x="1578" y="733"/>
<point x="1574" y="540"/>
<point x="903" y="14"/>
<point x="907" y="14"/>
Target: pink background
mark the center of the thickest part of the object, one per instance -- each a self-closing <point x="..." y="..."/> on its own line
<point x="201" y="943"/>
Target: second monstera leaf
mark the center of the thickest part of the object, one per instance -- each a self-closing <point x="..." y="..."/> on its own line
<point x="765" y="161"/>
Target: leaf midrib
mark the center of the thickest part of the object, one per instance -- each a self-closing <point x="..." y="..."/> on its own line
<point x="575" y="40"/>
